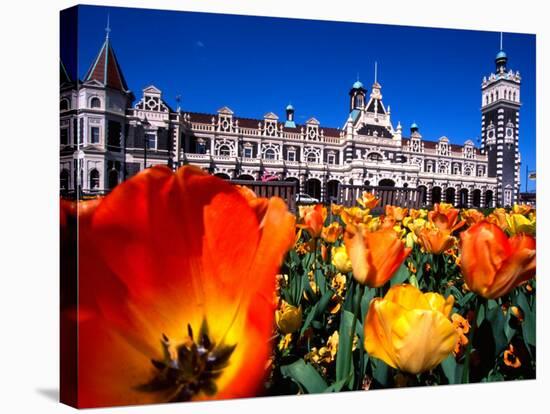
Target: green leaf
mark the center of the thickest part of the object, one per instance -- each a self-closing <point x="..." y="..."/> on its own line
<point x="452" y="370"/>
<point x="497" y="320"/>
<point x="508" y="330"/>
<point x="480" y="314"/>
<point x="307" y="261"/>
<point x="466" y="299"/>
<point x="400" y="276"/>
<point x="344" y="360"/>
<point x="305" y="376"/>
<point x="336" y="387"/>
<point x="316" y="310"/>
<point x="368" y="295"/>
<point x="528" y="326"/>
<point x="380" y="371"/>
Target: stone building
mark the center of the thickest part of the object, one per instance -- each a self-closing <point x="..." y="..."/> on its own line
<point x="106" y="137"/>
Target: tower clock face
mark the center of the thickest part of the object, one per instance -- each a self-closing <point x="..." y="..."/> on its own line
<point x="491" y="134"/>
<point x="509" y="132"/>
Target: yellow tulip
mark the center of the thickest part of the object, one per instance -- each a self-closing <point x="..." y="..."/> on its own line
<point x="340" y="259"/>
<point x="410" y="330"/>
<point x="518" y="223"/>
<point x="288" y="318"/>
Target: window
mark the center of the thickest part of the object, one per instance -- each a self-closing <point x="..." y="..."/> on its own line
<point x="114" y="130"/>
<point x="311" y="157"/>
<point x="247" y="153"/>
<point x="81" y="131"/>
<point x="64" y="105"/>
<point x="269" y="154"/>
<point x="64" y="180"/>
<point x="95" y="102"/>
<point x="291" y="155"/>
<point x="151" y="141"/>
<point x="94" y="135"/>
<point x="64" y="136"/>
<point x="94" y="179"/>
<point x="331" y="159"/>
<point x="225" y="150"/>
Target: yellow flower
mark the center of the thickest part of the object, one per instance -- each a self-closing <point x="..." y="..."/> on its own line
<point x="285" y="342"/>
<point x="288" y="318"/>
<point x="338" y="283"/>
<point x="340" y="259"/>
<point x="518" y="223"/>
<point x="522" y="209"/>
<point x="410" y="330"/>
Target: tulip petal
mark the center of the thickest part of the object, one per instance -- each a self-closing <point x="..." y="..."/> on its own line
<point x="357" y="252"/>
<point x="378" y="329"/>
<point x="407" y="296"/>
<point x="422" y="339"/>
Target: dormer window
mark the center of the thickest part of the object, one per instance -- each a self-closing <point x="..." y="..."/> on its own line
<point x="95" y="102"/>
<point x="331" y="158"/>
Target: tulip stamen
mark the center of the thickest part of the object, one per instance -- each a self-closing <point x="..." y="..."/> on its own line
<point x="189" y="368"/>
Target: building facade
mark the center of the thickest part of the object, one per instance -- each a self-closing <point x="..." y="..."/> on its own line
<point x="106" y="138"/>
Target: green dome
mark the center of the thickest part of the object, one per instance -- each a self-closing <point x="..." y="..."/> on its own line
<point x="289" y="107"/>
<point x="414" y="125"/>
<point x="501" y="55"/>
<point x="357" y="85"/>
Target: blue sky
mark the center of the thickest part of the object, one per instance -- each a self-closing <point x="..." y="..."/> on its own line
<point x="255" y="65"/>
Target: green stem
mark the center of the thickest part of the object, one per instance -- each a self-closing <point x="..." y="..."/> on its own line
<point x="466" y="371"/>
<point x="356" y="310"/>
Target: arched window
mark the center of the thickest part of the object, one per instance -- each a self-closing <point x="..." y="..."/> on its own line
<point x="311" y="157"/>
<point x="64" y="105"/>
<point x="95" y="102"/>
<point x="94" y="179"/>
<point x="374" y="156"/>
<point x="514" y="96"/>
<point x="496" y="94"/>
<point x="270" y="154"/>
<point x="225" y="150"/>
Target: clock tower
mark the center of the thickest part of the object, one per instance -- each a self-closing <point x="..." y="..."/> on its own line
<point x="500" y="94"/>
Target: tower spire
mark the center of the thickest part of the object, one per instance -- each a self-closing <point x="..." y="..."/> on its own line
<point x="108" y="27"/>
<point x="500" y="40"/>
<point x="375" y="71"/>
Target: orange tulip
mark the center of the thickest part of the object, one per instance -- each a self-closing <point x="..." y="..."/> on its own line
<point x="498" y="217"/>
<point x="397" y="213"/>
<point x="435" y="240"/>
<point x="493" y="264"/>
<point x="332" y="232"/>
<point x="176" y="277"/>
<point x="445" y="217"/>
<point x="375" y="256"/>
<point x="472" y="216"/>
<point x="368" y="200"/>
<point x="312" y="219"/>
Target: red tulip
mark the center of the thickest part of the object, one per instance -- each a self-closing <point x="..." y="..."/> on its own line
<point x="176" y="284"/>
